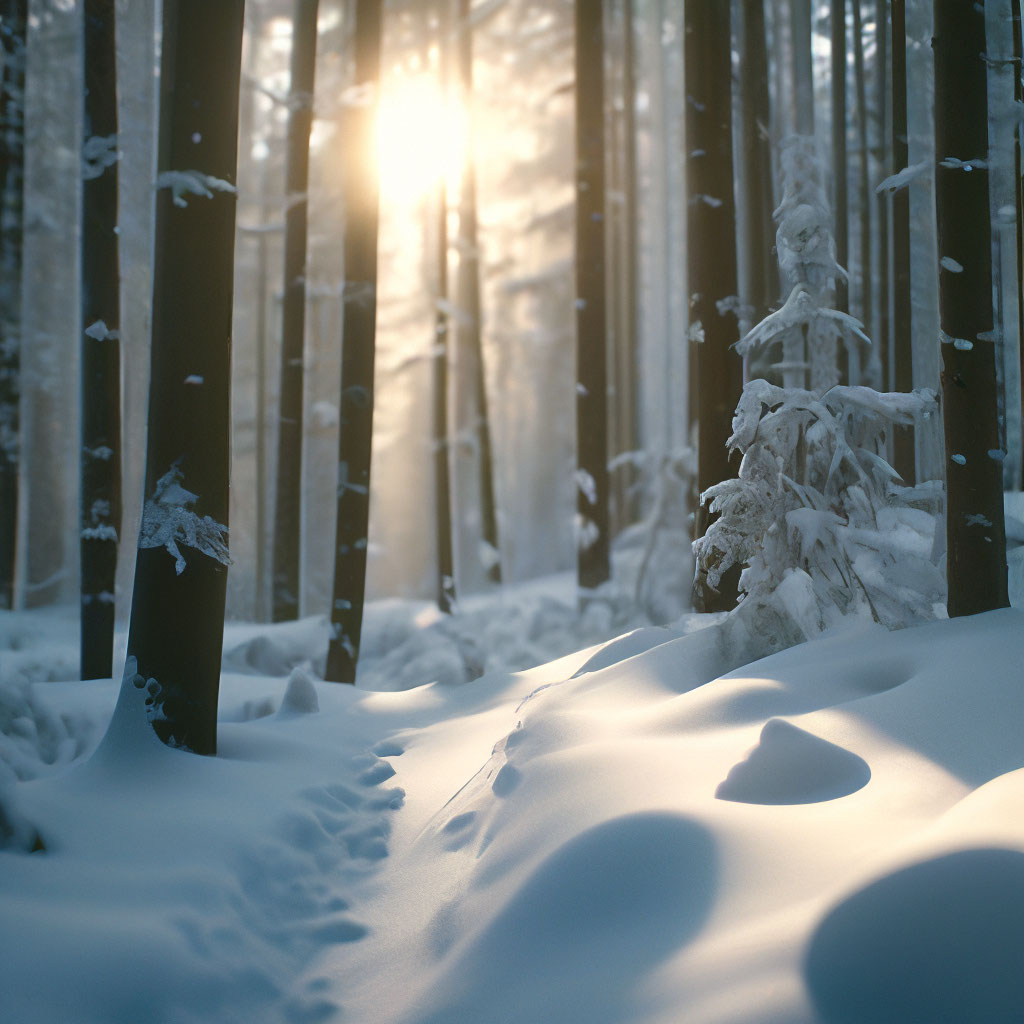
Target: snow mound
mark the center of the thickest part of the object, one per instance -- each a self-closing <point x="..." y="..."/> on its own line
<point x="578" y="908"/>
<point x="300" y="696"/>
<point x="940" y="941"/>
<point x="791" y="766"/>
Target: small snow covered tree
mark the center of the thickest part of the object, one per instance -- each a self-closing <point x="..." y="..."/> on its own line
<point x="818" y="517"/>
<point x="806" y="327"/>
<point x="100" y="457"/>
<point x="975" y="532"/>
<point x="177" y="619"/>
<point x="823" y="524"/>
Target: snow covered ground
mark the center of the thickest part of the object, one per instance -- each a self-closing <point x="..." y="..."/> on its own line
<point x="637" y="833"/>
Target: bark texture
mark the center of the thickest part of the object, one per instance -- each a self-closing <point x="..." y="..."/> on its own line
<point x="290" y="425"/>
<point x="177" y="618"/>
<point x="592" y="565"/>
<point x="711" y="249"/>
<point x="100" y="458"/>
<point x="355" y="434"/>
<point x="975" y="533"/>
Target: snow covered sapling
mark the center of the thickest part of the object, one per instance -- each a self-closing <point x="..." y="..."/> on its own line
<point x="821" y="521"/>
<point x="806" y="327"/>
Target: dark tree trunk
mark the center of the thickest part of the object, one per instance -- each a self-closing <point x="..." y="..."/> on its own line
<point x="442" y="474"/>
<point x="711" y="248"/>
<point x="100" y="459"/>
<point x="468" y="328"/>
<point x="624" y="279"/>
<point x="355" y="434"/>
<point x="904" y="458"/>
<point x="803" y="68"/>
<point x="177" y="620"/>
<point x="442" y="322"/>
<point x="882" y="339"/>
<point x="864" y="174"/>
<point x="975" y="539"/>
<point x="13" y="24"/>
<point x="1018" y="189"/>
<point x="593" y="559"/>
<point x="290" y="426"/>
<point x="761" y="286"/>
<point x="840" y="185"/>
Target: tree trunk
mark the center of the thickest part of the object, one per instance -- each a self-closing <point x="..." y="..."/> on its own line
<point x="355" y="433"/>
<point x="100" y="459"/>
<point x="593" y="558"/>
<point x="840" y="186"/>
<point x="904" y="458"/>
<point x="442" y="322"/>
<point x="803" y="68"/>
<point x="864" y="174"/>
<point x="711" y="248"/>
<point x="1018" y="191"/>
<point x="468" y="327"/>
<point x="13" y="26"/>
<point x="624" y="283"/>
<point x="177" y="619"/>
<point x="630" y="367"/>
<point x="761" y="285"/>
<point x="882" y="339"/>
<point x="975" y="538"/>
<point x="290" y="426"/>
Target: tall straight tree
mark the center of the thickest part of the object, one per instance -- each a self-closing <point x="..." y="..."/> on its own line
<point x="290" y="423"/>
<point x="177" y="619"/>
<point x="442" y="322"/>
<point x="840" y="207"/>
<point x="760" y="285"/>
<point x="13" y="26"/>
<point x="882" y="339"/>
<point x="100" y="458"/>
<point x="803" y="66"/>
<point x="355" y="434"/>
<point x="1018" y="191"/>
<point x="622" y="275"/>
<point x="975" y="538"/>
<point x="863" y="172"/>
<point x="468" y="333"/>
<point x="711" y="264"/>
<point x="904" y="458"/>
<point x="629" y="369"/>
<point x="593" y="559"/>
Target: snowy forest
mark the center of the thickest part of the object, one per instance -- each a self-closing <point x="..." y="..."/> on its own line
<point x="511" y="511"/>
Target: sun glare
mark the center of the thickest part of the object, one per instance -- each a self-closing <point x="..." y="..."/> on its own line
<point x="420" y="137"/>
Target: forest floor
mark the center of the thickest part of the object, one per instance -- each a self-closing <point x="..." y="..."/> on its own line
<point x="640" y="832"/>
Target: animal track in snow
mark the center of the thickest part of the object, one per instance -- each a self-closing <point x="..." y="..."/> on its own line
<point x="791" y="766"/>
<point x="284" y="898"/>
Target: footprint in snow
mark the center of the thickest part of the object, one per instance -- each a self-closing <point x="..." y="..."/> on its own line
<point x="791" y="766"/>
<point x="471" y="811"/>
<point x="286" y="899"/>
